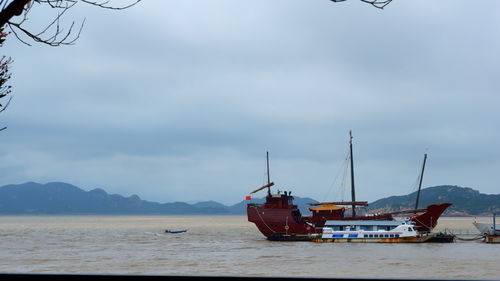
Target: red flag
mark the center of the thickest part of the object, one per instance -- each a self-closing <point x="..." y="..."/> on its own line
<point x="248" y="197"/>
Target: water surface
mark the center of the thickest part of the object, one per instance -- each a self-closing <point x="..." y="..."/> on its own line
<point x="225" y="245"/>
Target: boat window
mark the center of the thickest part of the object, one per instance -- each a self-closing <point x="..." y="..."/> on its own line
<point x="375" y="235"/>
<point x="392" y="235"/>
<point x="366" y="227"/>
<point x="397" y="235"/>
<point x="410" y="228"/>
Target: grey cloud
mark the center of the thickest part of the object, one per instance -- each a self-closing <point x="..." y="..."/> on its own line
<point x="177" y="101"/>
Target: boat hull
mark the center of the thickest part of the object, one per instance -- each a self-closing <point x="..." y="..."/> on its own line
<point x="486" y="228"/>
<point x="441" y="237"/>
<point x="279" y="224"/>
<point x="428" y="220"/>
<point x="492" y="239"/>
<point x="175" y="232"/>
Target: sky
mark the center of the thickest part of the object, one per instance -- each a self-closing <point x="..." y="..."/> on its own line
<point x="180" y="100"/>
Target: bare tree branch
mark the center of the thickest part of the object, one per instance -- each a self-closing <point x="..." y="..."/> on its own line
<point x="104" y="5"/>
<point x="13" y="9"/>
<point x="5" y="107"/>
<point x="380" y="4"/>
<point x="4" y="77"/>
<point x="14" y="14"/>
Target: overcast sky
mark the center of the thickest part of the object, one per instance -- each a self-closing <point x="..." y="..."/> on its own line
<point x="180" y="100"/>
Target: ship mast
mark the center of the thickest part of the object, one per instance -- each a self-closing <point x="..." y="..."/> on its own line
<point x="420" y="182"/>
<point x="353" y="203"/>
<point x="353" y="195"/>
<point x="268" y="177"/>
<point x="269" y="183"/>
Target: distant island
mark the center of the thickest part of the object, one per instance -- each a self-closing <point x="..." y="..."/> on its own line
<point x="466" y="201"/>
<point x="58" y="198"/>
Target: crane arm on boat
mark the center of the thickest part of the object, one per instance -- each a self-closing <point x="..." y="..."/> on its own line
<point x="262" y="187"/>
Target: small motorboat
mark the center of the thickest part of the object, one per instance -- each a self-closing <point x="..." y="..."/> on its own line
<point x="175" y="231"/>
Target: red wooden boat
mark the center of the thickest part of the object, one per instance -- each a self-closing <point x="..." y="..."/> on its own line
<point x="280" y="220"/>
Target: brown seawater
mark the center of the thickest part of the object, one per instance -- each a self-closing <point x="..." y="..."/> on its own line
<point x="225" y="246"/>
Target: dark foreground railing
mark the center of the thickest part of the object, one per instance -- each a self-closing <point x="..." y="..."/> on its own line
<point x="111" y="277"/>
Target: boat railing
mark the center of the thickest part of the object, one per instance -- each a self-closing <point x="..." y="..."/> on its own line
<point x="254" y="204"/>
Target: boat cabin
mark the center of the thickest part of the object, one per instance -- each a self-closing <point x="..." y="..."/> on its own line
<point x="358" y="225"/>
<point x="279" y="201"/>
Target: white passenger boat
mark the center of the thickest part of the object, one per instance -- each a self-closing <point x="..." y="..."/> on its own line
<point x="371" y="231"/>
<point x="486" y="228"/>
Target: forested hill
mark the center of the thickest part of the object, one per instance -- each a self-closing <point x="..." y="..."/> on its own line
<point x="465" y="200"/>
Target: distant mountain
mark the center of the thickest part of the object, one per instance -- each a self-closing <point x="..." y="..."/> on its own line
<point x="64" y="198"/>
<point x="465" y="200"/>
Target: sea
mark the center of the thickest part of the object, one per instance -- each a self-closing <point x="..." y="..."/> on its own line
<point x="228" y="246"/>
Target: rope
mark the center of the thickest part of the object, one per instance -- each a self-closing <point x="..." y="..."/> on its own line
<point x="477" y="237"/>
<point x="428" y="226"/>
<point x="414" y="187"/>
<point x="263" y="219"/>
<point x="344" y="177"/>
<point x="470" y="239"/>
<point x="342" y="168"/>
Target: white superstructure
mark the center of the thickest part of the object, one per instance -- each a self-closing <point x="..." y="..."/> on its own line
<point x="368" y="230"/>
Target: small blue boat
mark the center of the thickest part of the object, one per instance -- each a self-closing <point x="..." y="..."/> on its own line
<point x="175" y="231"/>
